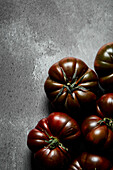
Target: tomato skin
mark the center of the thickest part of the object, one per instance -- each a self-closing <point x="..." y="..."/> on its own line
<point x="104" y="105"/>
<point x="58" y="126"/>
<point x="89" y="161"/>
<point x="103" y="65"/>
<point x="97" y="135"/>
<point x="59" y="85"/>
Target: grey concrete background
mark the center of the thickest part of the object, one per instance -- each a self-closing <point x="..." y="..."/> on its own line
<point x="34" y="34"/>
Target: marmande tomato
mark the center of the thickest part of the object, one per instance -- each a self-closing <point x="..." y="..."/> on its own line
<point x="98" y="132"/>
<point x="71" y="85"/>
<point x="88" y="161"/>
<point x="103" y="65"/>
<point x="104" y="105"/>
<point x="51" y="138"/>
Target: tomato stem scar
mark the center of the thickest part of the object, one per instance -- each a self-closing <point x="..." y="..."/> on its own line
<point x="71" y="86"/>
<point x="107" y="121"/>
<point x="54" y="142"/>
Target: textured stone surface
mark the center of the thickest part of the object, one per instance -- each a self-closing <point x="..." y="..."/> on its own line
<point x="34" y="35"/>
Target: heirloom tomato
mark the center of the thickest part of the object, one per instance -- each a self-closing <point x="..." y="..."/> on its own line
<point x="105" y="105"/>
<point x="51" y="138"/>
<point x="103" y="65"/>
<point x="98" y="132"/>
<point x="89" y="161"/>
<point x="71" y="85"/>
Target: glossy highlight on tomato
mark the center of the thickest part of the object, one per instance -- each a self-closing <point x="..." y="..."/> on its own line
<point x="104" y="105"/>
<point x="103" y="65"/>
<point x="89" y="161"/>
<point x="71" y="85"/>
<point x="51" y="138"/>
<point x="98" y="132"/>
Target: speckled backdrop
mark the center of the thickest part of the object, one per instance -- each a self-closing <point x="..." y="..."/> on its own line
<point x="34" y="34"/>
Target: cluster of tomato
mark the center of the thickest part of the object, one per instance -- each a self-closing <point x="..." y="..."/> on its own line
<point x="78" y="134"/>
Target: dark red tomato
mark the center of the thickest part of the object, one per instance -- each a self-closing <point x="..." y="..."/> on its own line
<point x="104" y="66"/>
<point x="88" y="161"/>
<point x="50" y="139"/>
<point x="97" y="132"/>
<point x="71" y="85"/>
<point x="105" y="105"/>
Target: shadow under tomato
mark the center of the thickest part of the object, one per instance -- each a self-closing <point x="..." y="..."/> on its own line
<point x="34" y="166"/>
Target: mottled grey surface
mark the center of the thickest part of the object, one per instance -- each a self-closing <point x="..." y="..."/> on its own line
<point x="34" y="34"/>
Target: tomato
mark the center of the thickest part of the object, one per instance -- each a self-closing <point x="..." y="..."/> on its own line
<point x="98" y="132"/>
<point x="105" y="105"/>
<point x="71" y="85"/>
<point x="89" y="161"/>
<point x="51" y="138"/>
<point x="103" y="65"/>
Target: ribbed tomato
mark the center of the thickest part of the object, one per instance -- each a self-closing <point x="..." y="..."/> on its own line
<point x="89" y="161"/>
<point x="51" y="138"/>
<point x="103" y="65"/>
<point x="98" y="132"/>
<point x="105" y="105"/>
<point x="71" y="85"/>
